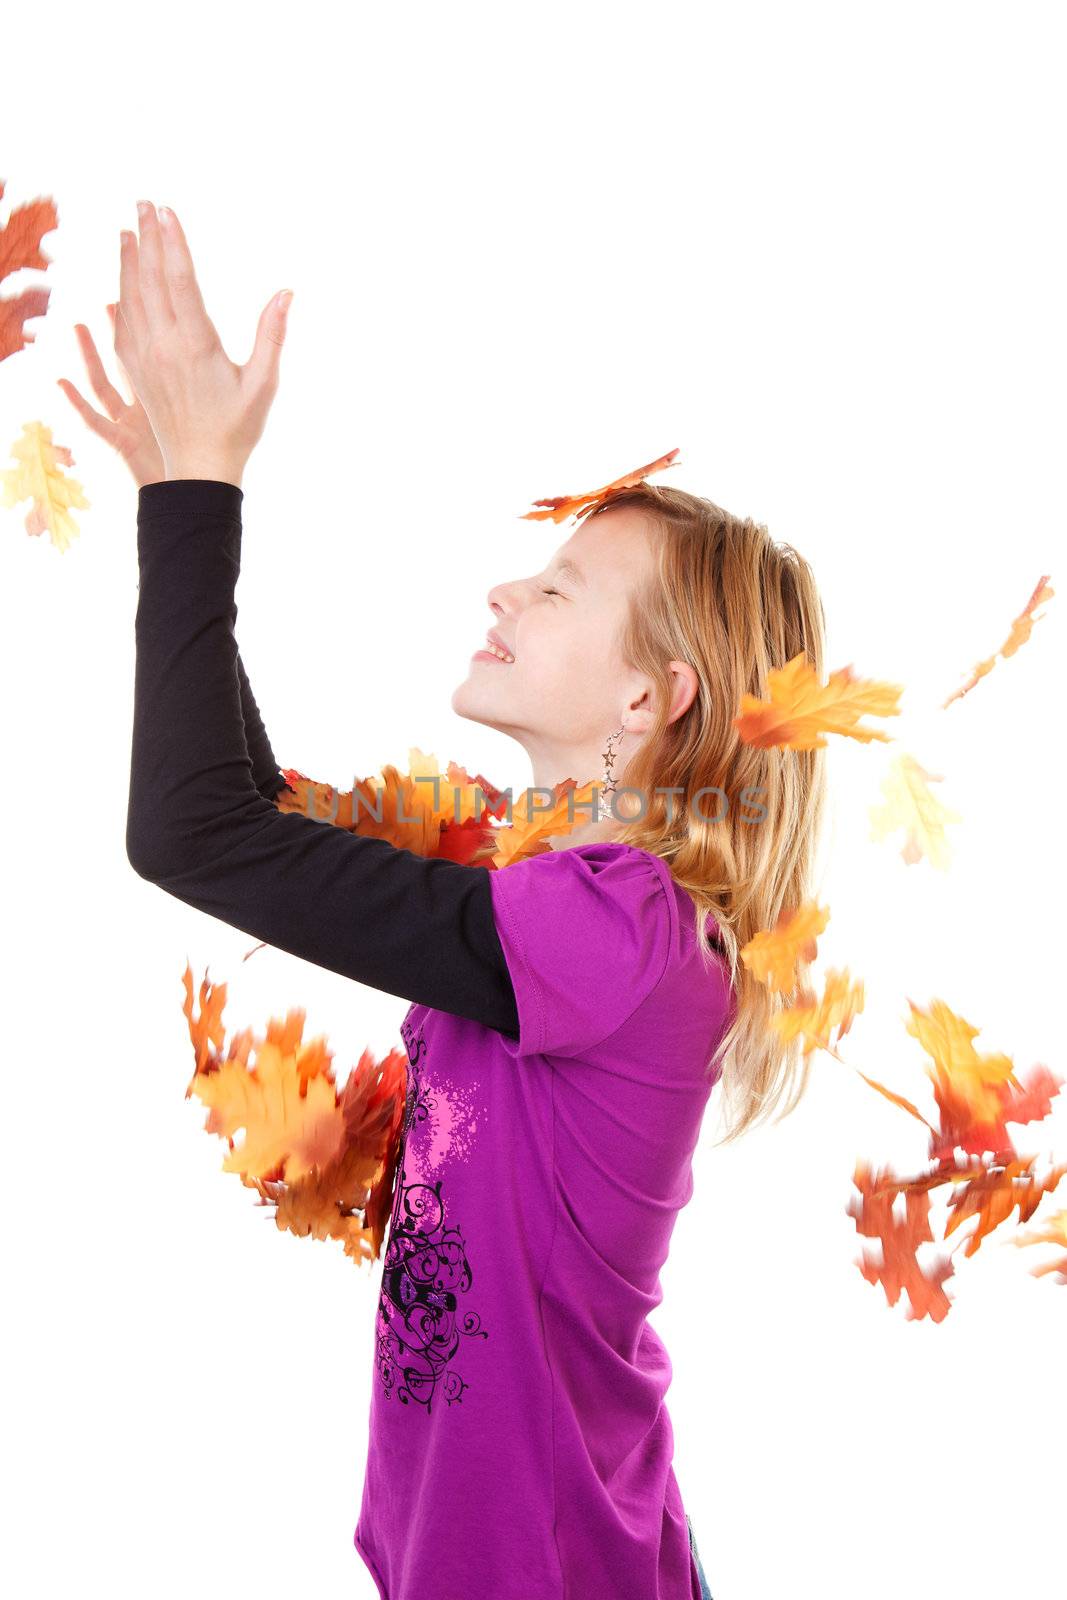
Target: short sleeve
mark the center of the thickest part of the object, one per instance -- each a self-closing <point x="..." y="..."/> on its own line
<point x="586" y="934"/>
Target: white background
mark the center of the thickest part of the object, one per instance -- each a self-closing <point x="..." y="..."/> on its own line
<point x="818" y="248"/>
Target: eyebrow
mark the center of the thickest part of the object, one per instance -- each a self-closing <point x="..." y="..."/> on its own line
<point x="566" y="568"/>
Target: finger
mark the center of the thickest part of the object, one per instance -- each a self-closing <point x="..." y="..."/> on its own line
<point x="113" y="313"/>
<point x="265" y="361"/>
<point x="103" y="388"/>
<point x="101" y="425"/>
<point x="185" y="293"/>
<point x="130" y="306"/>
<point x="155" y="295"/>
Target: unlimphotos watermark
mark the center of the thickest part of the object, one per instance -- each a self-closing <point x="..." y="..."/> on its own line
<point x="748" y="803"/>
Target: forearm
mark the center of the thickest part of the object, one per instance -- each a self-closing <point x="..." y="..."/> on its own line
<point x="191" y="762"/>
<point x="265" y="771"/>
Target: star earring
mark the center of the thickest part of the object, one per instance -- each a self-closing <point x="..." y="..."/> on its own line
<point x="609" y="785"/>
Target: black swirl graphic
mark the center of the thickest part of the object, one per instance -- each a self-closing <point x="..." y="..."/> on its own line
<point x="420" y="1322"/>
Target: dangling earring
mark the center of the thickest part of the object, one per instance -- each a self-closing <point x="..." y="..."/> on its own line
<point x="609" y="785"/>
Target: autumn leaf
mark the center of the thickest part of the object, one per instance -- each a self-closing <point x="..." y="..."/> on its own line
<point x="1018" y="634"/>
<point x="423" y="810"/>
<point x="813" y="1018"/>
<point x="405" y="809"/>
<point x="771" y="955"/>
<point x="1053" y="1231"/>
<point x="800" y="709"/>
<point x="20" y="247"/>
<point x="910" y="805"/>
<point x="38" y="478"/>
<point x="975" y="1093"/>
<point x="326" y="1160"/>
<point x="531" y="828"/>
<point x="874" y="1216"/>
<point x="560" y="507"/>
<point x="993" y="1192"/>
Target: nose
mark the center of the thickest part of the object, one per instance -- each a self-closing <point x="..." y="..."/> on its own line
<point x="505" y="598"/>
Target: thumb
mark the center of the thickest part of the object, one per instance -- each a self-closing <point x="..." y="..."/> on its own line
<point x="270" y="336"/>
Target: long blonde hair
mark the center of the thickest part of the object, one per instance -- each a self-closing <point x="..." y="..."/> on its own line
<point x="735" y="604"/>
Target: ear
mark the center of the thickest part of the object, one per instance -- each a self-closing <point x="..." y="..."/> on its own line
<point x="684" y="690"/>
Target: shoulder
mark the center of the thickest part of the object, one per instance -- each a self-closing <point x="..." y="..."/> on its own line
<point x="587" y="933"/>
<point x="602" y="879"/>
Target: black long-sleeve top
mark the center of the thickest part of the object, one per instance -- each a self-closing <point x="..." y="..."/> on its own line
<point x="202" y="823"/>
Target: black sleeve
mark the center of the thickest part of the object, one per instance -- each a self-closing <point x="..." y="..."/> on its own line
<point x="199" y="828"/>
<point x="265" y="771"/>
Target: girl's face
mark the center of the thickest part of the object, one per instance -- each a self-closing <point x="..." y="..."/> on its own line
<point x="567" y="688"/>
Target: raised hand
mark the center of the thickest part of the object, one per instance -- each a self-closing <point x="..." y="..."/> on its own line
<point x="125" y="425"/>
<point x="206" y="411"/>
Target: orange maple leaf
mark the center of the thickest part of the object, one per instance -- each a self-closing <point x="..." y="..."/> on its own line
<point x="326" y="1160"/>
<point x="976" y="1094"/>
<point x="1054" y="1231"/>
<point x="20" y="246"/>
<point x="771" y="955"/>
<point x="993" y="1191"/>
<point x="403" y="808"/>
<point x="813" y="1018"/>
<point x="1018" y="634"/>
<point x="531" y="827"/>
<point x="441" y="817"/>
<point x="899" y="1268"/>
<point x="801" y="709"/>
<point x="560" y="507"/>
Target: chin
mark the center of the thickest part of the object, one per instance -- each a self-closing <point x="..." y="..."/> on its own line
<point x="464" y="702"/>
<point x="471" y="703"/>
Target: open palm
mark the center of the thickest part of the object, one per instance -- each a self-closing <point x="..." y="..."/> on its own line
<point x="126" y="427"/>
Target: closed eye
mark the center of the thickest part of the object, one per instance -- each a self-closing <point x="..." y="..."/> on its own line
<point x="551" y="591"/>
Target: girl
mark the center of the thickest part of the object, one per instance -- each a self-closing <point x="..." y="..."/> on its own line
<point x="569" y="1014"/>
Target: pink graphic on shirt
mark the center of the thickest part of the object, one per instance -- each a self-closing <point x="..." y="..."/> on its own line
<point x="446" y="1133"/>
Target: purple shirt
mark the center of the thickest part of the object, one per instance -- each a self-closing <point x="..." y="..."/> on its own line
<point x="519" y="1439"/>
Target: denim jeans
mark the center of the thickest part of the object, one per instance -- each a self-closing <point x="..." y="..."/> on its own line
<point x="705" y="1592"/>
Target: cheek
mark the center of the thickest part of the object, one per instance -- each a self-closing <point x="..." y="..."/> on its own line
<point x="554" y="657"/>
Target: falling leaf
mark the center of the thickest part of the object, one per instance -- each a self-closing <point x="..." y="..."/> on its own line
<point x="326" y="1160"/>
<point x="1053" y="1231"/>
<point x="993" y="1193"/>
<point x="20" y="246"/>
<point x="38" y="478"/>
<point x="977" y="1095"/>
<point x="874" y="1216"/>
<point x="813" y="1018"/>
<point x="531" y="828"/>
<point x="1019" y="633"/>
<point x="560" y="507"/>
<point x="771" y="955"/>
<point x="911" y="805"/>
<point x="800" y="709"/>
<point x="405" y="809"/>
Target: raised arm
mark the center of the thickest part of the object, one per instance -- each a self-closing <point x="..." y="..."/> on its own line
<point x="200" y="827"/>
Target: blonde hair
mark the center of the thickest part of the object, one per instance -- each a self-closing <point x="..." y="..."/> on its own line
<point x="735" y="605"/>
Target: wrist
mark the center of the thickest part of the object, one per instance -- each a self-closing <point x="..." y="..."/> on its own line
<point x="218" y="471"/>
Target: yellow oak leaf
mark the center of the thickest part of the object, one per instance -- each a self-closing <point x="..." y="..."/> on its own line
<point x="910" y="804"/>
<point x="39" y="478"/>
